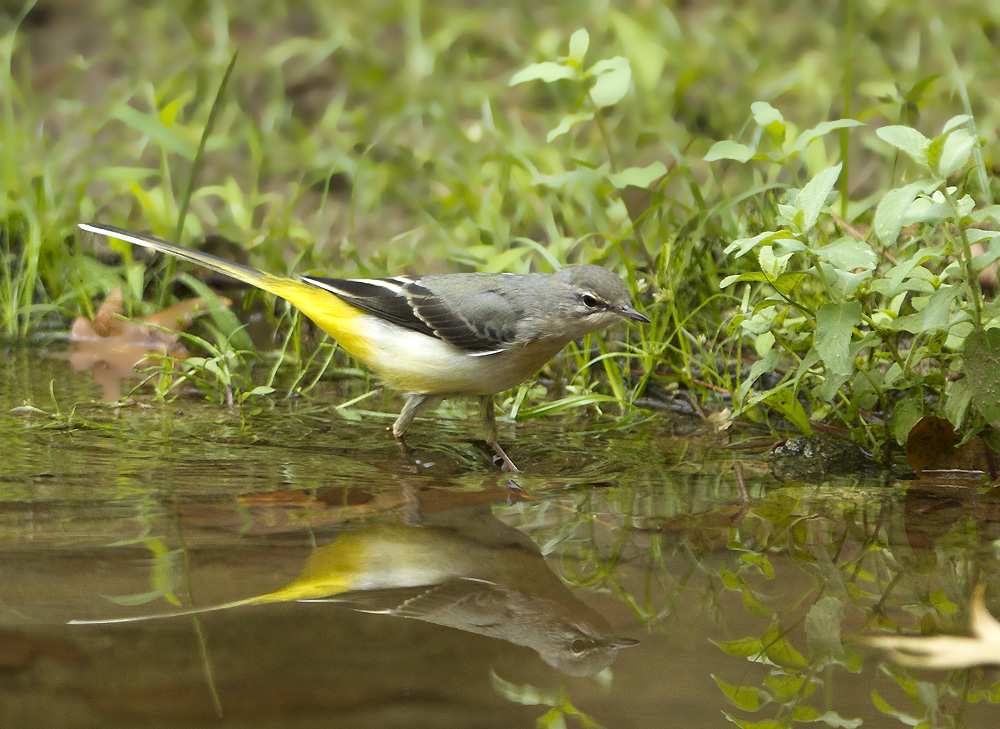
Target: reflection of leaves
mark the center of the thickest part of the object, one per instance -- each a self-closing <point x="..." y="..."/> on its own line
<point x="982" y="648"/>
<point x="823" y="627"/>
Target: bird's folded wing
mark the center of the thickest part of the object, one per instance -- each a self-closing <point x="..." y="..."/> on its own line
<point x="479" y="321"/>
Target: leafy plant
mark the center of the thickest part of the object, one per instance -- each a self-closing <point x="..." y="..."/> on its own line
<point x="874" y="327"/>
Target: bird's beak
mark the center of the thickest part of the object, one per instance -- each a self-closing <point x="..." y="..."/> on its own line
<point x="630" y="313"/>
<point x="624" y="643"/>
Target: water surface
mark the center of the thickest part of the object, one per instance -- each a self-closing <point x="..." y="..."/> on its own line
<point x="458" y="596"/>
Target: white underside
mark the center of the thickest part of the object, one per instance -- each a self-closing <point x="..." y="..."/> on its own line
<point x="414" y="362"/>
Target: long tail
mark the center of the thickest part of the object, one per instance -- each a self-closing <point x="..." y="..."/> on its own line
<point x="335" y="316"/>
<point x="266" y="281"/>
<point x="177" y="613"/>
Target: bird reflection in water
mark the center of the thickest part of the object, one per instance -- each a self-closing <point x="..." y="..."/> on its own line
<point x="474" y="573"/>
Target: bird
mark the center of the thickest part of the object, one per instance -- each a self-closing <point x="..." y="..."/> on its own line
<point x="448" y="335"/>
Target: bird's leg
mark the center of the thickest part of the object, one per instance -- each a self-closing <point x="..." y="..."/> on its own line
<point x="490" y="423"/>
<point x="414" y="401"/>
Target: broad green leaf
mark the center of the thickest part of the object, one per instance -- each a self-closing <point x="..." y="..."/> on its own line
<point x="843" y="284"/>
<point x="745" y="245"/>
<point x="728" y="149"/>
<point x="812" y="197"/>
<point x="955" y="152"/>
<point x="740" y="647"/>
<point x="934" y="317"/>
<point x="835" y="720"/>
<point x="959" y="399"/>
<point x="955" y="121"/>
<point x="820" y="130"/>
<point x="638" y="176"/>
<point x="908" y="140"/>
<point x="745" y="697"/>
<point x="981" y="354"/>
<point x="849" y="254"/>
<point x="771" y="264"/>
<point x="613" y="78"/>
<point x="906" y="414"/>
<point x="787" y="246"/>
<point x="770" y="119"/>
<point x="567" y="123"/>
<point x="579" y="42"/>
<point x="834" y="326"/>
<point x="781" y="652"/>
<point x="889" y="213"/>
<point x="785" y="403"/>
<point x="758" y="368"/>
<point x="547" y="71"/>
<point x="935" y="209"/>
<point x="823" y="627"/>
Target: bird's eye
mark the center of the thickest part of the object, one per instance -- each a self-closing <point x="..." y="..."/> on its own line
<point x="588" y="301"/>
<point x="578" y="646"/>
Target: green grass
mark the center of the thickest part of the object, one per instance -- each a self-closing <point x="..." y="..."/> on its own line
<point x="389" y="139"/>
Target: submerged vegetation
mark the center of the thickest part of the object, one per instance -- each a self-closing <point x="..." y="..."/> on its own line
<point x="801" y="199"/>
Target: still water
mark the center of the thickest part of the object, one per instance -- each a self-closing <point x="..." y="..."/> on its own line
<point x="620" y="582"/>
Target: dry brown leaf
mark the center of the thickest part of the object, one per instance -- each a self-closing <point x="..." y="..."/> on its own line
<point x="113" y="347"/>
<point x="931" y="446"/>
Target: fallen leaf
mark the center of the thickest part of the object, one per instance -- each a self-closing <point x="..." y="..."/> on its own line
<point x="982" y="648"/>
<point x="932" y="445"/>
<point x="114" y="347"/>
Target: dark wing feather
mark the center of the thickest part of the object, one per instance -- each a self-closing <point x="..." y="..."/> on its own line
<point x="406" y="302"/>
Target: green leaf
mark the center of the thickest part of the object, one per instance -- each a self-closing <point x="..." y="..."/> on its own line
<point x="747" y="698"/>
<point x="908" y="140"/>
<point x="835" y="720"/>
<point x="740" y="647"/>
<point x="742" y="246"/>
<point x="638" y="176"/>
<point x="728" y="149"/>
<point x="613" y="78"/>
<point x="781" y="652"/>
<point x="955" y="152"/>
<point x="823" y="627"/>
<point x="935" y="209"/>
<point x="547" y="71"/>
<point x="907" y="413"/>
<point x="812" y="197"/>
<point x="785" y="403"/>
<point x="849" y="254"/>
<point x="889" y="213"/>
<point x="579" y="42"/>
<point x="820" y="130"/>
<point x="568" y="122"/>
<point x="149" y="125"/>
<point x="956" y="121"/>
<point x="770" y="119"/>
<point x="981" y="354"/>
<point x="834" y="326"/>
<point x="934" y="317"/>
<point x="959" y="399"/>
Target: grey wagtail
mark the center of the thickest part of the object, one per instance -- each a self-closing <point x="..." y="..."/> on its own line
<point x="460" y="334"/>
